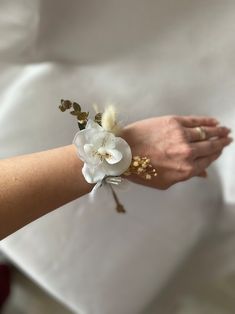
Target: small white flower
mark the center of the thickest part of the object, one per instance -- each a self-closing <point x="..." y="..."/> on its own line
<point x="102" y="152"/>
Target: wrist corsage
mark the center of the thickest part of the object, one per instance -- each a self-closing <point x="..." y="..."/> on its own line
<point x="106" y="156"/>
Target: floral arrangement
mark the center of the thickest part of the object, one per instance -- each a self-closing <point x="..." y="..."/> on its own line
<point x="106" y="156"/>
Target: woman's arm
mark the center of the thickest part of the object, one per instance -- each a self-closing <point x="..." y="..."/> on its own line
<point x="33" y="185"/>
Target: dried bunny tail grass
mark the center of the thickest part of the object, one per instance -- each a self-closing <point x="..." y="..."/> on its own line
<point x="109" y="122"/>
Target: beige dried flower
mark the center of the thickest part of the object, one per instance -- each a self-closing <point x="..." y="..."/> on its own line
<point x="109" y="121"/>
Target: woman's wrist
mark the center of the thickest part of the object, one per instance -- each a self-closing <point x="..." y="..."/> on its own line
<point x="130" y="134"/>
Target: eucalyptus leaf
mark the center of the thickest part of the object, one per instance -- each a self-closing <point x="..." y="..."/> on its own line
<point x="67" y="104"/>
<point x="98" y="118"/>
<point x="62" y="108"/>
<point x="82" y="115"/>
<point x="76" y="107"/>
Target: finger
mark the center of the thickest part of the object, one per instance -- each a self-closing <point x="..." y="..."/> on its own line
<point x="194" y="135"/>
<point x="207" y="148"/>
<point x="202" y="163"/>
<point x="193" y="121"/>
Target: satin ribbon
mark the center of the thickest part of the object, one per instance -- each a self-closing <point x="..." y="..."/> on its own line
<point x="111" y="182"/>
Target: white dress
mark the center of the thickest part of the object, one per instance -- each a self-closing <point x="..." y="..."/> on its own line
<point x="173" y="252"/>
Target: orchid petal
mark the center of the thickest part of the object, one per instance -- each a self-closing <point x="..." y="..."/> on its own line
<point x="93" y="125"/>
<point x="89" y="149"/>
<point x="98" y="139"/>
<point x="103" y="153"/>
<point x="93" y="174"/>
<point x="120" y="167"/>
<point x="114" y="156"/>
<point x="110" y="141"/>
<point x="91" y="155"/>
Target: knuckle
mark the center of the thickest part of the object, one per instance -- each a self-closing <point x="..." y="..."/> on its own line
<point x="172" y="117"/>
<point x="187" y="152"/>
<point x="186" y="169"/>
<point x="181" y="136"/>
<point x="189" y="170"/>
<point x="172" y="120"/>
<point x="169" y="152"/>
<point x="176" y="127"/>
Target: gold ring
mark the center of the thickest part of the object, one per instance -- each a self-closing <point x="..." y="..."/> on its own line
<point x="201" y="132"/>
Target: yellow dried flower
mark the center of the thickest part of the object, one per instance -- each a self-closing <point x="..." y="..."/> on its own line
<point x="141" y="166"/>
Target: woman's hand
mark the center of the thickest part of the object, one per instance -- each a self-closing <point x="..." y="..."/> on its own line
<point x="180" y="147"/>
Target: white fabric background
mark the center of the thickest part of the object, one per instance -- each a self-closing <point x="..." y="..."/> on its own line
<point x="150" y="58"/>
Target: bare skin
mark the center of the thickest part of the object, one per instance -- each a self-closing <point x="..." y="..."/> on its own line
<point x="173" y="144"/>
<point x="34" y="185"/>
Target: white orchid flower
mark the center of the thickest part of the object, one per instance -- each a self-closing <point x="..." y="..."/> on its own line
<point x="102" y="152"/>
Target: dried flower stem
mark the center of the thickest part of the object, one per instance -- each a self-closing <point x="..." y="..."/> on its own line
<point x="119" y="207"/>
